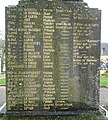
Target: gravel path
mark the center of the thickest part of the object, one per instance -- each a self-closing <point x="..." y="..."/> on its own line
<point x="2" y="95"/>
<point x="104" y="96"/>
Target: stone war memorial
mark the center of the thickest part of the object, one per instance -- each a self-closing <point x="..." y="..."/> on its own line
<point x="52" y="60"/>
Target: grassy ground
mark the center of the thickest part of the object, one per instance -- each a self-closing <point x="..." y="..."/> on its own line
<point x="104" y="81"/>
<point x="2" y="81"/>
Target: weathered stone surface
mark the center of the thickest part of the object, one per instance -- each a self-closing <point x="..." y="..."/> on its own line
<point x="53" y="55"/>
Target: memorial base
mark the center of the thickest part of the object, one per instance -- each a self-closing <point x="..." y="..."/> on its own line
<point x="79" y="115"/>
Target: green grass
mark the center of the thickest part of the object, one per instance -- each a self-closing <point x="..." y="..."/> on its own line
<point x="2" y="81"/>
<point x="104" y="81"/>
